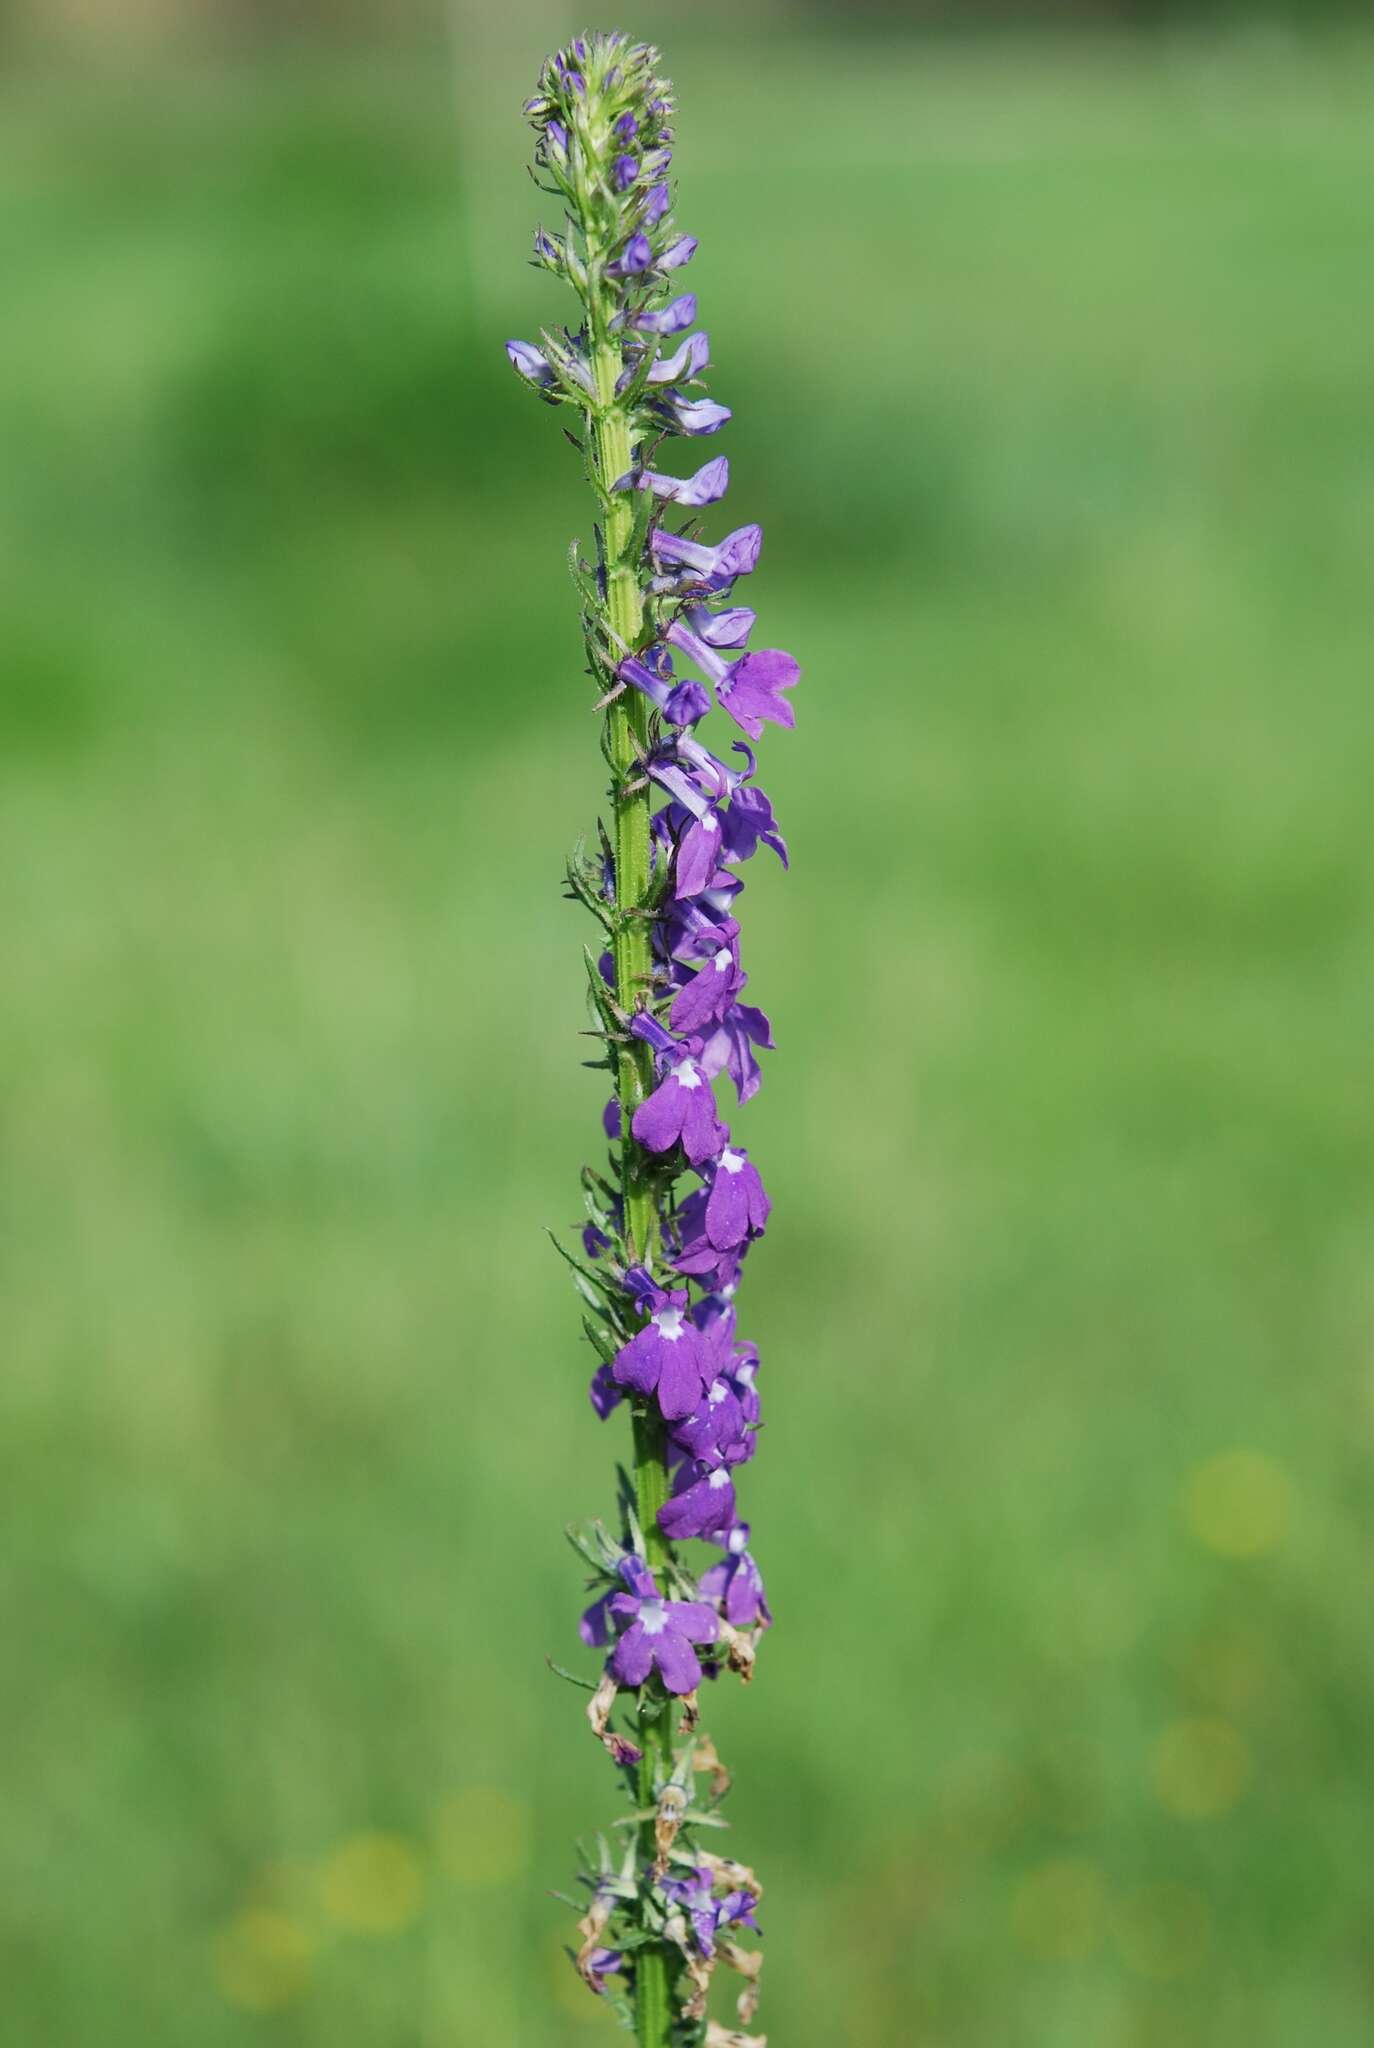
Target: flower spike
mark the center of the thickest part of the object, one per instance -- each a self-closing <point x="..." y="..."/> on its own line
<point x="668" y="1226"/>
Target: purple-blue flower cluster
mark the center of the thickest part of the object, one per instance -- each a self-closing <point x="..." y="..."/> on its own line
<point x="695" y="1018"/>
<point x="694" y="657"/>
<point x="668" y="1230"/>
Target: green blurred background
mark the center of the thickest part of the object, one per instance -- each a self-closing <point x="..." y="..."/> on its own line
<point x="1050" y="353"/>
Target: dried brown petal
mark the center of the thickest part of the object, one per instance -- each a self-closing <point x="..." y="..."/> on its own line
<point x="672" y="1804"/>
<point x="704" y="1758"/>
<point x="739" y="1645"/>
<point x="600" y="1704"/>
<point x="733" y="1876"/>
<point x="749" y="1962"/>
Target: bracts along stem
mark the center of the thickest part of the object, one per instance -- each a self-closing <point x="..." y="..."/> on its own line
<point x="660" y="1270"/>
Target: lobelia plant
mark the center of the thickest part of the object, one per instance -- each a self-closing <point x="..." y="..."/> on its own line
<point x="659" y="1267"/>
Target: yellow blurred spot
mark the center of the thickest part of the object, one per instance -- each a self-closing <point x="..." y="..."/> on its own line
<point x="372" y="1884"/>
<point x="287" y="1886"/>
<point x="1058" y="1911"/>
<point x="1239" y="1503"/>
<point x="985" y="1801"/>
<point x="1164" y="1932"/>
<point x="1200" y="1768"/>
<point x="483" y="1836"/>
<point x="261" y="1960"/>
<point x="1229" y="1668"/>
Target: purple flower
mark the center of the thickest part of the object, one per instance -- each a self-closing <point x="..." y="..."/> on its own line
<point x="742" y="1375"/>
<point x="708" y="1914"/>
<point x="731" y="1047"/>
<point x="674" y="318"/>
<point x="636" y="256"/>
<point x="624" y="171"/>
<point x="715" y="1425"/>
<point x="737" y="1583"/>
<point x="643" y="1290"/>
<point x="677" y="253"/>
<point x="656" y="686"/>
<point x="656" y="204"/>
<point x="627" y="127"/>
<point x="696" y="1895"/>
<point x="682" y="1109"/>
<point x="752" y="690"/>
<point x="737" y="1909"/>
<point x="699" y="1260"/>
<point x="748" y="689"/>
<point x="721" y="894"/>
<point x="688" y="932"/>
<point x="709" y="774"/>
<point x="528" y="362"/>
<point x="657" y="1634"/>
<point x="715" y="1318"/>
<point x="682" y="703"/>
<point x="703" y="1500"/>
<point x="687" y="704"/>
<point x="687" y="362"/>
<point x="691" y="415"/>
<point x="752" y="693"/>
<point x="713" y="665"/>
<point x="600" y="1964"/>
<point x="698" y="855"/>
<point x="709" y="993"/>
<point x="721" y="629"/>
<point x="691" y="1252"/>
<point x="700" y="937"/>
<point x="649" y="1031"/>
<point x="697" y="779"/>
<point x="749" y="823"/>
<point x="709" y="483"/>
<point x="737" y="1206"/>
<point x="668" y="769"/>
<point x="736" y="555"/>
<point x="603" y="1393"/>
<point x="664" y="1359"/>
<point x="736" y="1363"/>
<point x="595" y="1625"/>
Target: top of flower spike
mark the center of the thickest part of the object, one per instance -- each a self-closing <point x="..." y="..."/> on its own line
<point x="603" y="100"/>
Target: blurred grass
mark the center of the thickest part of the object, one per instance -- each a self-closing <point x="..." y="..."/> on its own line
<point x="1051" y="376"/>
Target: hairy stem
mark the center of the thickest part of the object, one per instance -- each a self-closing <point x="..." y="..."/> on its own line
<point x="628" y="736"/>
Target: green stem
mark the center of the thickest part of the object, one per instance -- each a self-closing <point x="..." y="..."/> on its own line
<point x="628" y="721"/>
